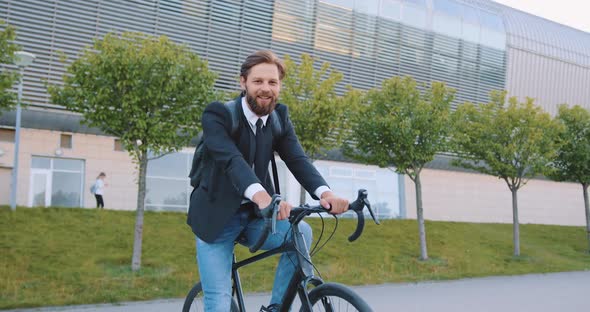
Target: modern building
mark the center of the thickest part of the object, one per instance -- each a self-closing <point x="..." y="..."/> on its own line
<point x="474" y="46"/>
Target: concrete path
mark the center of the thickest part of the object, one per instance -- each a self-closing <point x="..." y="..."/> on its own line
<point x="536" y="292"/>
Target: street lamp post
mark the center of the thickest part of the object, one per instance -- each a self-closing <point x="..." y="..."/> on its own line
<point x="22" y="60"/>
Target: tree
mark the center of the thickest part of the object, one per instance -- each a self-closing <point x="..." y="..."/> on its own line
<point x="7" y="78"/>
<point x="316" y="111"/>
<point x="149" y="92"/>
<point x="400" y="126"/>
<point x="572" y="162"/>
<point x="514" y="142"/>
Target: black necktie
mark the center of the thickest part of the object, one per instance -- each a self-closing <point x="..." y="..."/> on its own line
<point x="259" y="158"/>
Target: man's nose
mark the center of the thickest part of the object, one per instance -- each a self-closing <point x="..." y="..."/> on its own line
<point x="265" y="86"/>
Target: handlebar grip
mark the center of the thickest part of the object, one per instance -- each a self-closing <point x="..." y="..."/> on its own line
<point x="357" y="206"/>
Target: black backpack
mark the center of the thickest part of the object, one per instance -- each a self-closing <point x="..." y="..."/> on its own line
<point x="201" y="157"/>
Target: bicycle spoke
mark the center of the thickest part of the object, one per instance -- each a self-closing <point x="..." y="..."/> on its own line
<point x="333" y="304"/>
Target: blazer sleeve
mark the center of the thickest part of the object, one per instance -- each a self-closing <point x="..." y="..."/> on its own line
<point x="216" y="121"/>
<point x="292" y="154"/>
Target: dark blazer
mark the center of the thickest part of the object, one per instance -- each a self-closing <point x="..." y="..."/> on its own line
<point x="230" y="172"/>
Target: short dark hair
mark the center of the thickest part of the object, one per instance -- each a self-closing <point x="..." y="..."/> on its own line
<point x="261" y="57"/>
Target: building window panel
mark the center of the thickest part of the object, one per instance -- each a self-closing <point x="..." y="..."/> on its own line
<point x="470" y="32"/>
<point x="391" y="9"/>
<point x="65" y="140"/>
<point x="6" y="135"/>
<point x="381" y="184"/>
<point x="449" y="7"/>
<point x="447" y="25"/>
<point x="370" y="7"/>
<point x="56" y="182"/>
<point x="172" y="165"/>
<point x="414" y="16"/>
<point x="41" y="163"/>
<point x="166" y="194"/>
<point x="493" y="38"/>
<point x="65" y="189"/>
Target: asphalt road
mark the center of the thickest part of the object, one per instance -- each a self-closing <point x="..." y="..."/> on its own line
<point x="536" y="292"/>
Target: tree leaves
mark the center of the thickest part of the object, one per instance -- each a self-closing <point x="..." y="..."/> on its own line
<point x="135" y="86"/>
<point x="399" y="125"/>
<point x="513" y="141"/>
<point x="7" y="77"/>
<point x="317" y="113"/>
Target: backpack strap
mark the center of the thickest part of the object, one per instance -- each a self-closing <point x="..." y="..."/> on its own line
<point x="277" y="132"/>
<point x="232" y="106"/>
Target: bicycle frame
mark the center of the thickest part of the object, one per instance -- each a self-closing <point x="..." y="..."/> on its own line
<point x="298" y="284"/>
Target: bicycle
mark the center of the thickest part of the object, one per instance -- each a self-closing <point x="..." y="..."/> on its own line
<point x="326" y="296"/>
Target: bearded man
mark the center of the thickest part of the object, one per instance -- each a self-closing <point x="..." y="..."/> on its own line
<point x="237" y="182"/>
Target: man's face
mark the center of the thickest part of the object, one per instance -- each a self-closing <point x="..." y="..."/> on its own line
<point x="262" y="88"/>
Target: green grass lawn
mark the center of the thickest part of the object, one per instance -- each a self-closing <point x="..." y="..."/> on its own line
<point x="59" y="256"/>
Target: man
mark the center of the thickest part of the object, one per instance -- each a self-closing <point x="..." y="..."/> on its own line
<point x="237" y="181"/>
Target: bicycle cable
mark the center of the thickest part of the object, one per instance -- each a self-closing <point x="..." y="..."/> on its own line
<point x="312" y="253"/>
<point x="312" y="250"/>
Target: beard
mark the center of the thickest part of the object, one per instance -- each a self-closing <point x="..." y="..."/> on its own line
<point x="260" y="109"/>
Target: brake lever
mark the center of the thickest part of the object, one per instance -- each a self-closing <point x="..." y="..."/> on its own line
<point x="368" y="205"/>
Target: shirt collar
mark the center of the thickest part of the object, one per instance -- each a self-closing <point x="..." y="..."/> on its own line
<point x="250" y="116"/>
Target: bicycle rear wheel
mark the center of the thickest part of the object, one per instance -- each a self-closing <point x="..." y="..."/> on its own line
<point x="194" y="300"/>
<point x="336" y="297"/>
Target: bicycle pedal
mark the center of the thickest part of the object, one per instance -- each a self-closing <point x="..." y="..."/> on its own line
<point x="271" y="308"/>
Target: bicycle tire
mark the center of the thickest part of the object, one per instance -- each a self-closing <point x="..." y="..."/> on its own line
<point x="194" y="300"/>
<point x="336" y="297"/>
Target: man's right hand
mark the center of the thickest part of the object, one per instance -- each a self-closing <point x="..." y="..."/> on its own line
<point x="263" y="199"/>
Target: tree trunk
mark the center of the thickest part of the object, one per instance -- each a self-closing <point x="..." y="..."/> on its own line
<point x="301" y="195"/>
<point x="515" y="224"/>
<point x="420" y="216"/>
<point x="586" y="206"/>
<point x="136" y="260"/>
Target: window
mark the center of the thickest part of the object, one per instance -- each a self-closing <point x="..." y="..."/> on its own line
<point x="381" y="183"/>
<point x="167" y="185"/>
<point x="390" y="9"/>
<point x="6" y="135"/>
<point x="119" y="147"/>
<point x="414" y="16"/>
<point x="56" y="182"/>
<point x="65" y="140"/>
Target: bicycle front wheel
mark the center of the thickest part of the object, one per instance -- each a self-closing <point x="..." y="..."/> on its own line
<point x="194" y="301"/>
<point x="336" y="297"/>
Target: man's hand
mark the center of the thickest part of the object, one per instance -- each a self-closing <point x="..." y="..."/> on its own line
<point x="263" y="199"/>
<point x="330" y="200"/>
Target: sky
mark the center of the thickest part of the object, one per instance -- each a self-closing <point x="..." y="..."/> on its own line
<point x="573" y="13"/>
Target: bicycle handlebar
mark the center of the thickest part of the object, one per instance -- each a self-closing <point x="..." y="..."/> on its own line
<point x="269" y="214"/>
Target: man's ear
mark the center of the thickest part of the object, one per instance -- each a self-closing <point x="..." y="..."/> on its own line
<point x="243" y="83"/>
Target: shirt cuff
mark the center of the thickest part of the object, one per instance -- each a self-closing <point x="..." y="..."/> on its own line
<point x="320" y="190"/>
<point x="253" y="189"/>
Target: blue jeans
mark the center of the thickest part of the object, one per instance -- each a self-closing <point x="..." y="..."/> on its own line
<point x="215" y="259"/>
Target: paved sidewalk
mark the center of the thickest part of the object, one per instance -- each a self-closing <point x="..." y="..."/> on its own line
<point x="536" y="292"/>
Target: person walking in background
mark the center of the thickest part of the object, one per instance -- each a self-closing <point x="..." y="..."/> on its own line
<point x="99" y="190"/>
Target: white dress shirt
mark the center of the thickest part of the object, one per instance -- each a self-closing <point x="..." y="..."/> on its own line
<point x="252" y="119"/>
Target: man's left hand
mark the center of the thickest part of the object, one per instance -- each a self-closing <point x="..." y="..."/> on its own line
<point x="336" y="204"/>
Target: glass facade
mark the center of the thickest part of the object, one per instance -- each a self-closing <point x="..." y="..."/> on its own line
<point x="167" y="185"/>
<point x="56" y="182"/>
<point x="367" y="40"/>
<point x="381" y="184"/>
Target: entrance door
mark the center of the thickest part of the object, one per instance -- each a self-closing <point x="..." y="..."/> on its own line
<point x="40" y="194"/>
